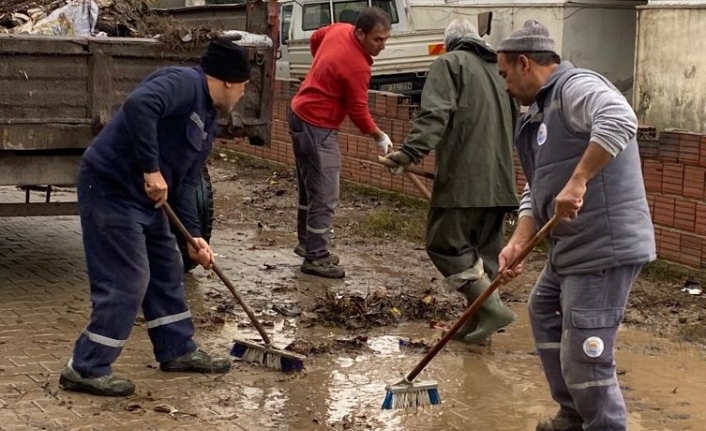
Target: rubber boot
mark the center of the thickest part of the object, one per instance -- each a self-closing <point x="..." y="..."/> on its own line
<point x="492" y="315"/>
<point x="460" y="282"/>
<point x="471" y="324"/>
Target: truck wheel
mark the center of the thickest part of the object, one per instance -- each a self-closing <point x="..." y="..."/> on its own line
<point x="204" y="202"/>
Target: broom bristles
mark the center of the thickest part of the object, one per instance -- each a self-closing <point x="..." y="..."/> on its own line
<point x="406" y="395"/>
<point x="268" y="357"/>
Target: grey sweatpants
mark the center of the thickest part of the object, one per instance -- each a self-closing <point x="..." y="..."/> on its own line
<point x="318" y="163"/>
<point x="457" y="237"/>
<point x="575" y="321"/>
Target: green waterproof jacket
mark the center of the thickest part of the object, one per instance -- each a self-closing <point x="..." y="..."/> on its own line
<point x="467" y="118"/>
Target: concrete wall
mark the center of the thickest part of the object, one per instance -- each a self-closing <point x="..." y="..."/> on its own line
<point x="670" y="72"/>
<point x="602" y="40"/>
<point x="674" y="169"/>
<point x="600" y="37"/>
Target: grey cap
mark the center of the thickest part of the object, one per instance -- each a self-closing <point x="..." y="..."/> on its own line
<point x="532" y="37"/>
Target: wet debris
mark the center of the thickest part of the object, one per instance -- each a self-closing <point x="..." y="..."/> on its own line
<point x="354" y="343"/>
<point x="115" y="18"/>
<point x="357" y="341"/>
<point x="356" y="422"/>
<point x="171" y="410"/>
<point x="308" y="348"/>
<point x="287" y="310"/>
<point x="415" y="344"/>
<point x="135" y="408"/>
<point x="379" y="307"/>
<point x="692" y="288"/>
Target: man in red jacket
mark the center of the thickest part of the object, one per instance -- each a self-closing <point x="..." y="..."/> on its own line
<point x="336" y="86"/>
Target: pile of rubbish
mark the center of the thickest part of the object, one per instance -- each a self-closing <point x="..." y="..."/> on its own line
<point x="84" y="18"/>
<point x="357" y="310"/>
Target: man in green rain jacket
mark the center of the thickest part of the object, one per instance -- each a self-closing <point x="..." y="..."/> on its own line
<point x="467" y="118"/>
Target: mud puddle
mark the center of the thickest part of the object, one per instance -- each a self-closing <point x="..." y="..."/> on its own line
<point x="353" y="355"/>
<point x="498" y="388"/>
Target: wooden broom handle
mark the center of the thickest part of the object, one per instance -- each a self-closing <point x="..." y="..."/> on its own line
<point x="413" y="169"/>
<point x="420" y="186"/>
<point x="251" y="314"/>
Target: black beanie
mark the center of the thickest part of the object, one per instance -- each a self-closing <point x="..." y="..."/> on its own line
<point x="227" y="61"/>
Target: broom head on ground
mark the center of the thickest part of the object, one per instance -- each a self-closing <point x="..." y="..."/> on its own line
<point x="275" y="359"/>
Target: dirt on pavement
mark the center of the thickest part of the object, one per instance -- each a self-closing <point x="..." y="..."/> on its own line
<point x="252" y="192"/>
<point x="360" y="333"/>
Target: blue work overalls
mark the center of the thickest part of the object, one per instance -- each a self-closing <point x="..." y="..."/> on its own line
<point x="167" y="124"/>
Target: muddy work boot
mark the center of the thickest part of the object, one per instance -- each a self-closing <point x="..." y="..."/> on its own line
<point x="197" y="362"/>
<point x="492" y="315"/>
<point x="106" y="386"/>
<point x="565" y="420"/>
<point x="300" y="250"/>
<point x="468" y="327"/>
<point x="323" y="267"/>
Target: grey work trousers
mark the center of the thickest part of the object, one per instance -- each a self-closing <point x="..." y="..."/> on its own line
<point x="575" y="321"/>
<point x="457" y="237"/>
<point x="318" y="164"/>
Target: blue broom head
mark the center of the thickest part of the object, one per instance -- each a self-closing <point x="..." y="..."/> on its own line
<point x="405" y="395"/>
<point x="291" y="365"/>
<point x="269" y="357"/>
<point x="238" y="350"/>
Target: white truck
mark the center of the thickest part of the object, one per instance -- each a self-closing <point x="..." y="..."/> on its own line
<point x="401" y="68"/>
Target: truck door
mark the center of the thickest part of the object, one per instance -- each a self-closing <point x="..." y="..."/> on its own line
<point x="284" y="34"/>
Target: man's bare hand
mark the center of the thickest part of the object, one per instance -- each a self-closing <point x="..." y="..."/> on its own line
<point x="570" y="200"/>
<point x="507" y="255"/>
<point x="156" y="188"/>
<point x="204" y="255"/>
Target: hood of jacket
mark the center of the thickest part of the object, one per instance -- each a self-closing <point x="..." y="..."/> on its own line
<point x="477" y="46"/>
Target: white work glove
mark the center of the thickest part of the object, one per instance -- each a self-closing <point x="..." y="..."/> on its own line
<point x="384" y="143"/>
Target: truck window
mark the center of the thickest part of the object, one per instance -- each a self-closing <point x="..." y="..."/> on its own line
<point x="286" y="22"/>
<point x="318" y="15"/>
<point x="348" y="11"/>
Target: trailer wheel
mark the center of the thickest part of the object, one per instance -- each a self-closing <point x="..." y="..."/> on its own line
<point x="204" y="202"/>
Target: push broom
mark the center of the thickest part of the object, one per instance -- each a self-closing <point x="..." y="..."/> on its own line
<point x="247" y="351"/>
<point x="410" y="394"/>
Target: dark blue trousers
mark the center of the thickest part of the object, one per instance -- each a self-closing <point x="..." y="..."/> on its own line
<point x="133" y="260"/>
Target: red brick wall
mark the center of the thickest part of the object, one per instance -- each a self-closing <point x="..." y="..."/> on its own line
<point x="674" y="169"/>
<point x="358" y="153"/>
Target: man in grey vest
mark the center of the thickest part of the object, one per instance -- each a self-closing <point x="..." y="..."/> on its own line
<point x="579" y="153"/>
<point x="467" y="119"/>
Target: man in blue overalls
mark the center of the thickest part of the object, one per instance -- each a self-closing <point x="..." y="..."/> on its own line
<point x="158" y="141"/>
<point x="578" y="148"/>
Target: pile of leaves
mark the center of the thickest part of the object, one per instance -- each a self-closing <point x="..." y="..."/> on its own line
<point x="379" y="308"/>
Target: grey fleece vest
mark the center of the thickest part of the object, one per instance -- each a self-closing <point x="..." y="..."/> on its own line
<point x="613" y="227"/>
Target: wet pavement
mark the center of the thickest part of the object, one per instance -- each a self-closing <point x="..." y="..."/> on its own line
<point x="44" y="305"/>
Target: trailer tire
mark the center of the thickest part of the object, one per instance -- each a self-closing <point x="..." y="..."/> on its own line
<point x="204" y="202"/>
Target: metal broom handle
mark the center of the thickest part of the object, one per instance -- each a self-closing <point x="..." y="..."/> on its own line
<point x="538" y="237"/>
<point x="185" y="233"/>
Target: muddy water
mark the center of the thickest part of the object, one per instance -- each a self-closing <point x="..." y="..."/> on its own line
<point x="501" y="388"/>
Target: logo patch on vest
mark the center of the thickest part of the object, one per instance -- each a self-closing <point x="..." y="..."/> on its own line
<point x="593" y="347"/>
<point x="542" y="134"/>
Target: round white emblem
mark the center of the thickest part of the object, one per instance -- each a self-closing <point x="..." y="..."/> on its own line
<point x="542" y="134"/>
<point x="593" y="347"/>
